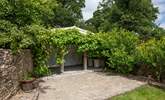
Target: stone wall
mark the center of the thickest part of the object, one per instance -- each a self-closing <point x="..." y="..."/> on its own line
<point x="12" y="69"/>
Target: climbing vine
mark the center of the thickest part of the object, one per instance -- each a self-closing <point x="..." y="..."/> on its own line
<point x="120" y="48"/>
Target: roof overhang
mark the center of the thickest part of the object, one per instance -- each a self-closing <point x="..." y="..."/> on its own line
<point x="82" y="31"/>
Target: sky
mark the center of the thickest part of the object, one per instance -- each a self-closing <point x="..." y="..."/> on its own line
<point x="91" y="6"/>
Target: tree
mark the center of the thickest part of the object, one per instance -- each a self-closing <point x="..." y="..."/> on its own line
<point x="27" y="12"/>
<point x="22" y="26"/>
<point x="68" y="12"/>
<point x="15" y="15"/>
<point x="132" y="15"/>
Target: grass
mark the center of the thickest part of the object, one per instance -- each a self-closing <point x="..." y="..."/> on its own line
<point x="143" y="93"/>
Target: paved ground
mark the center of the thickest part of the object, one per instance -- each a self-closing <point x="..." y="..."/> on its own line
<point x="82" y="85"/>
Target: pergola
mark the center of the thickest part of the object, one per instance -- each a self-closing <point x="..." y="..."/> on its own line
<point x="85" y="57"/>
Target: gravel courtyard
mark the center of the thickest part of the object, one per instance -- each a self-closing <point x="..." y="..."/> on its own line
<point x="81" y="85"/>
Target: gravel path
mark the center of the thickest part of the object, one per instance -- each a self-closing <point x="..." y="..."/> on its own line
<point x="84" y="85"/>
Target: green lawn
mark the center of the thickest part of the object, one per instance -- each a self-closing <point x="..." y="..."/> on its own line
<point x="142" y="93"/>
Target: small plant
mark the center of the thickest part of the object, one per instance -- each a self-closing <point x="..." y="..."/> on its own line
<point x="28" y="77"/>
<point x="28" y="82"/>
<point x="41" y="71"/>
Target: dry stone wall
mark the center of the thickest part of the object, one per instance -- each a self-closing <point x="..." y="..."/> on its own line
<point x="12" y="69"/>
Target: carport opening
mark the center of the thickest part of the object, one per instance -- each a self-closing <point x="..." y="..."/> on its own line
<point x="75" y="62"/>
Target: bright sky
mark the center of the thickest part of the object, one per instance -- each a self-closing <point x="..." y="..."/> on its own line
<point x="91" y="6"/>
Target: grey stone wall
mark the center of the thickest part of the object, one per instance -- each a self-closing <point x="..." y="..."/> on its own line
<point x="12" y="69"/>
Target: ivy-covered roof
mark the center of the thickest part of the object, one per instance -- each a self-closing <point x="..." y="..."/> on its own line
<point x="82" y="31"/>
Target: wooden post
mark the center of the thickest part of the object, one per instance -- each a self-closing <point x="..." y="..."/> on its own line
<point x="85" y="61"/>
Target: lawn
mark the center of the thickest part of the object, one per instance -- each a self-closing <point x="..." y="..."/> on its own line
<point x="143" y="93"/>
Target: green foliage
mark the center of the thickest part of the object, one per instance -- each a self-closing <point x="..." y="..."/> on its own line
<point x="132" y="15"/>
<point x="158" y="32"/>
<point x="120" y="39"/>
<point x="68" y="12"/>
<point x="40" y="46"/>
<point x="120" y="61"/>
<point x="62" y="39"/>
<point x="41" y="71"/>
<point x="20" y="27"/>
<point x="27" y="76"/>
<point x="25" y="24"/>
<point x="26" y="12"/>
<point x="88" y="43"/>
<point x="152" y="53"/>
<point x="65" y="37"/>
<point x="11" y="37"/>
<point x="60" y="55"/>
<point x="119" y="47"/>
<point x="47" y="12"/>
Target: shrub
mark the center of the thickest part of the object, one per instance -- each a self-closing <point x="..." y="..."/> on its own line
<point x="152" y="53"/>
<point x="118" y="47"/>
<point x="120" y="61"/>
